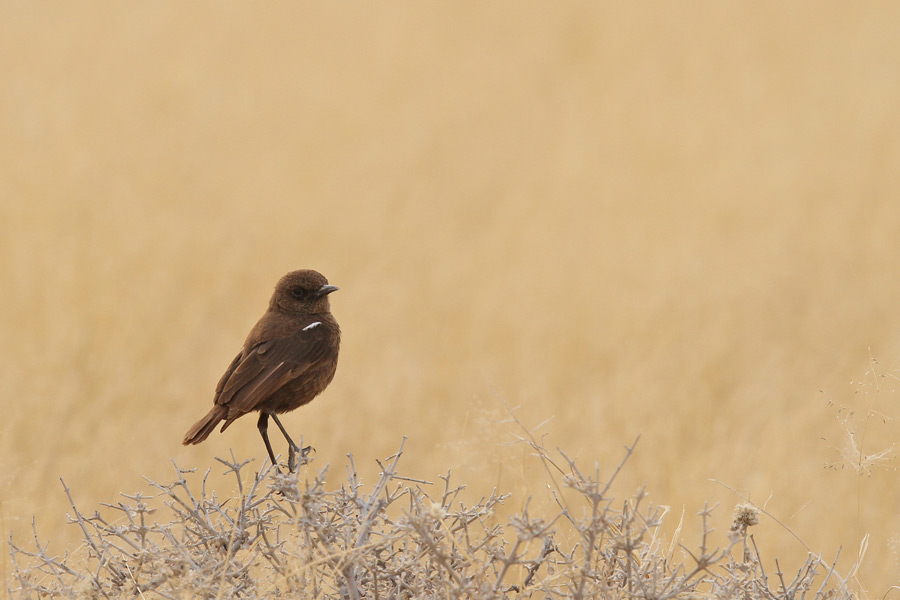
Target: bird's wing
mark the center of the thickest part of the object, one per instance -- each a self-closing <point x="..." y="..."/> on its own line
<point x="260" y="371"/>
<point x="228" y="372"/>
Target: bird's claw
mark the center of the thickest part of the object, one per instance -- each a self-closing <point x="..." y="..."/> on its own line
<point x="292" y="456"/>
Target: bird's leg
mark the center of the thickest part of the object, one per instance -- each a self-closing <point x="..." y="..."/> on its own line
<point x="292" y="447"/>
<point x="263" y="426"/>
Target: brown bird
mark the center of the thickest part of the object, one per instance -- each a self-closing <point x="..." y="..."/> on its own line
<point x="289" y="357"/>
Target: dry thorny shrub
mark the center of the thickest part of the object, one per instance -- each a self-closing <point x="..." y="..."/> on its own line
<point x="404" y="538"/>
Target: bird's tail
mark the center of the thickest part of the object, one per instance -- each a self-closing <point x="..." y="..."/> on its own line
<point x="202" y="428"/>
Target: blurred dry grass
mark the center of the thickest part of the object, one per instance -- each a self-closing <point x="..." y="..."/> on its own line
<point x="673" y="220"/>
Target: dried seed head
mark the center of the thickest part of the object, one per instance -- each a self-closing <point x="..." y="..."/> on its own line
<point x="437" y="511"/>
<point x="745" y="515"/>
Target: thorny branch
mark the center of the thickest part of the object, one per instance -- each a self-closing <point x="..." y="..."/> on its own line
<point x="280" y="537"/>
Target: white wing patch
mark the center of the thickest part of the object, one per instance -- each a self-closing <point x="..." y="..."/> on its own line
<point x="311" y="325"/>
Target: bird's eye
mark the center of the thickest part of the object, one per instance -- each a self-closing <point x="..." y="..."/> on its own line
<point x="298" y="292"/>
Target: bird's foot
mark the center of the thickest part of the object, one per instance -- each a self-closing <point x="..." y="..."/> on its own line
<point x="304" y="453"/>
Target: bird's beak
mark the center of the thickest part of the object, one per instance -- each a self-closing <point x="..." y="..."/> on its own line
<point x="325" y="290"/>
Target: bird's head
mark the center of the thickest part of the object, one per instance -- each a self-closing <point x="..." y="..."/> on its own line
<point x="304" y="292"/>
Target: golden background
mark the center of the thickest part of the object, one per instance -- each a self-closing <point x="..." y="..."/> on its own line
<point x="678" y="220"/>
